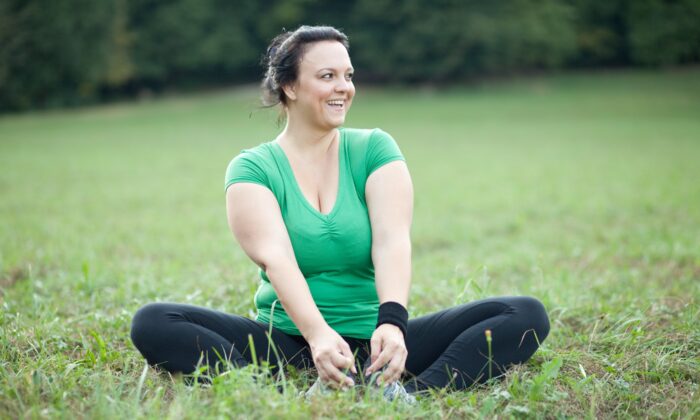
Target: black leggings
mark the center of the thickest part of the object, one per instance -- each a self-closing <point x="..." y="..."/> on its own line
<point x="446" y="348"/>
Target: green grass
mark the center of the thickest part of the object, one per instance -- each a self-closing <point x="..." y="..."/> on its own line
<point x="581" y="190"/>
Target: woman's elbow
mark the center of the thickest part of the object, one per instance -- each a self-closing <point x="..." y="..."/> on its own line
<point x="271" y="262"/>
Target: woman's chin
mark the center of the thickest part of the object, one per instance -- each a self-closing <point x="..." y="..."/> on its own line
<point x="334" y="122"/>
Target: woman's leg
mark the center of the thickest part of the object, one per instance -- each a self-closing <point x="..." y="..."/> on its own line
<point x="449" y="347"/>
<point x="176" y="336"/>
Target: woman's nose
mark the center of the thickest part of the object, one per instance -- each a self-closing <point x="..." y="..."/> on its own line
<point x="343" y="85"/>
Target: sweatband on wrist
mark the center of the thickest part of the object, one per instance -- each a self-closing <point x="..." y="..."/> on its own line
<point x="395" y="314"/>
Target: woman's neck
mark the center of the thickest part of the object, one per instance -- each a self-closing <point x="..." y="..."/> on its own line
<point x="304" y="140"/>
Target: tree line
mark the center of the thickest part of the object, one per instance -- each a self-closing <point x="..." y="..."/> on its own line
<point x="68" y="52"/>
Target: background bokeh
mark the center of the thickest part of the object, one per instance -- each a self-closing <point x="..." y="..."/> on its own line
<point x="55" y="53"/>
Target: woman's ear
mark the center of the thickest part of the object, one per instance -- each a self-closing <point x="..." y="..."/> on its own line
<point x="290" y="91"/>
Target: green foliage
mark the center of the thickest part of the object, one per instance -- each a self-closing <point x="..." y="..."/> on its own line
<point x="192" y="41"/>
<point x="638" y="32"/>
<point x="77" y="51"/>
<point x="52" y="53"/>
<point x="579" y="190"/>
<point x="452" y="39"/>
<point x="664" y="32"/>
<point x="601" y="32"/>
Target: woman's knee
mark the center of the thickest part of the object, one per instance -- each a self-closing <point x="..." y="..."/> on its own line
<point x="534" y="315"/>
<point x="146" y="324"/>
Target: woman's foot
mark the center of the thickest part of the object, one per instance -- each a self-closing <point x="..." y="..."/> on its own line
<point x="391" y="392"/>
<point x="394" y="391"/>
<point x="319" y="388"/>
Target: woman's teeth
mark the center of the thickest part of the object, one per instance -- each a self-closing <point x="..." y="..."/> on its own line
<point x="338" y="104"/>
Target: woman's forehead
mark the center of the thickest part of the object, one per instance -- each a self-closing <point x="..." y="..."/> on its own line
<point x="326" y="54"/>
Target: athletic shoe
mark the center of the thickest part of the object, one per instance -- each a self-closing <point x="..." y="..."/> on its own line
<point x="318" y="388"/>
<point x="391" y="392"/>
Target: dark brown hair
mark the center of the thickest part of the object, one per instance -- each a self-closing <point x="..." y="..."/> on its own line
<point x="284" y="55"/>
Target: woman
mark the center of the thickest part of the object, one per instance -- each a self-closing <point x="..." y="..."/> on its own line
<point x="325" y="212"/>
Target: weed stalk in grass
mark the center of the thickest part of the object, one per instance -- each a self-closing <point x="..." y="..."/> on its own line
<point x="269" y="330"/>
<point x="488" y="343"/>
<point x="280" y="367"/>
<point x="252" y="351"/>
<point x="142" y="379"/>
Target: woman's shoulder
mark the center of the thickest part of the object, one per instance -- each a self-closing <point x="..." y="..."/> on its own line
<point x="369" y="149"/>
<point x="262" y="151"/>
<point x="251" y="165"/>
<point x="362" y="133"/>
<point x="360" y="140"/>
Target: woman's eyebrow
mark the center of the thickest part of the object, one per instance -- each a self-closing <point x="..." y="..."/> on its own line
<point x="332" y="69"/>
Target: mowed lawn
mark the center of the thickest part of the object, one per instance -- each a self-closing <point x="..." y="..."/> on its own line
<point x="581" y="190"/>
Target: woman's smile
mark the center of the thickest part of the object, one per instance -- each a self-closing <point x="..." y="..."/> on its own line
<point x="336" y="105"/>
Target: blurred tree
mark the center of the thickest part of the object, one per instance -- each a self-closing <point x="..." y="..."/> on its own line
<point x="438" y="40"/>
<point x="52" y="53"/>
<point x="120" y="68"/>
<point x="76" y="51"/>
<point x="601" y="31"/>
<point x="664" y="32"/>
<point x="189" y="42"/>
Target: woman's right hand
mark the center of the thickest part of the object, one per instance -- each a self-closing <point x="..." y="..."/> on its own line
<point x="332" y="356"/>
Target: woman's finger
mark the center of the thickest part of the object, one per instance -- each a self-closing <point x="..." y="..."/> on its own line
<point x="375" y="348"/>
<point x="347" y="353"/>
<point x="383" y="358"/>
<point x="334" y="377"/>
<point x="394" y="368"/>
<point x="341" y="361"/>
<point x="334" y="368"/>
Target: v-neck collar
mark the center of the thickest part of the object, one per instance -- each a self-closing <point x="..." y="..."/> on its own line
<point x="295" y="185"/>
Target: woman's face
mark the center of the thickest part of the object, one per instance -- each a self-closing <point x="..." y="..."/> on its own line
<point x="323" y="92"/>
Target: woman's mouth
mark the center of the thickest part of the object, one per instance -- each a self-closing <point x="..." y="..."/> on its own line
<point x="337" y="105"/>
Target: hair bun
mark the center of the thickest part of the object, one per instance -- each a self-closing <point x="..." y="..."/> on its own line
<point x="271" y="53"/>
<point x="274" y="47"/>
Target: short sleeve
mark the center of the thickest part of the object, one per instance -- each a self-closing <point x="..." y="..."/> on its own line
<point x="243" y="168"/>
<point x="382" y="149"/>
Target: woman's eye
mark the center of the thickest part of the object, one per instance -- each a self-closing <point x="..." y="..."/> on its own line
<point x="349" y="76"/>
<point x="327" y="76"/>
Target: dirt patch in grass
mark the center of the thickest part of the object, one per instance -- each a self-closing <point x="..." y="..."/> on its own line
<point x="13" y="276"/>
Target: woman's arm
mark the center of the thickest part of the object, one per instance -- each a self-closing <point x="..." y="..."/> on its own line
<point x="256" y="221"/>
<point x="389" y="194"/>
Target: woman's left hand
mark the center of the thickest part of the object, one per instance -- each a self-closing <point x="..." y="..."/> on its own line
<point x="388" y="348"/>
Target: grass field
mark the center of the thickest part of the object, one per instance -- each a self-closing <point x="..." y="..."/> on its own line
<point x="581" y="190"/>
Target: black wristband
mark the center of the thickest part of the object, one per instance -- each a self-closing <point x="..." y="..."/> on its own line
<point x="395" y="314"/>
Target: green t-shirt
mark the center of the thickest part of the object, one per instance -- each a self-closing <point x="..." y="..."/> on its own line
<point x="333" y="250"/>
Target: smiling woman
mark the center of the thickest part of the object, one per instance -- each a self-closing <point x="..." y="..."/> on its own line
<point x="325" y="212"/>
